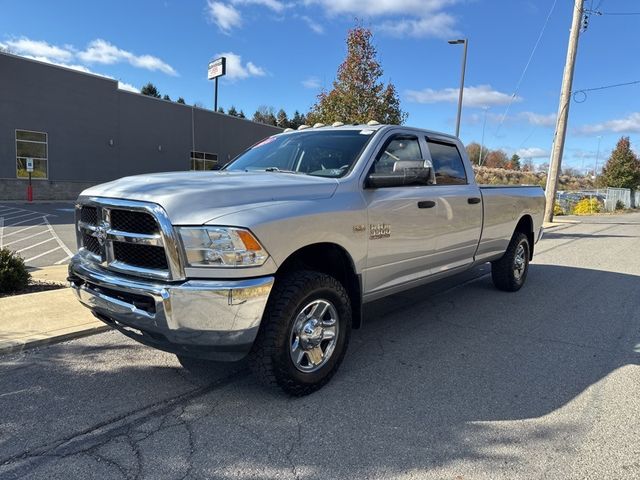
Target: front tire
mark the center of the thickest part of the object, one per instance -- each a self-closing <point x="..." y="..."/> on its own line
<point x="304" y="333"/>
<point x="510" y="272"/>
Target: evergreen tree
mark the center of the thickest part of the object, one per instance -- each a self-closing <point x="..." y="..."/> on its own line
<point x="166" y="97"/>
<point x="265" y="114"/>
<point x="232" y="111"/>
<point x="282" y="120"/>
<point x="514" y="163"/>
<point x="181" y="100"/>
<point x="358" y="95"/>
<point x="241" y="114"/>
<point x="220" y="110"/>
<point x="297" y="120"/>
<point x="150" y="90"/>
<point x="622" y="170"/>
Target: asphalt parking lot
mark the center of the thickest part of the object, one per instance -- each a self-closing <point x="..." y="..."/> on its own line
<point x="41" y="233"/>
<point x="455" y="381"/>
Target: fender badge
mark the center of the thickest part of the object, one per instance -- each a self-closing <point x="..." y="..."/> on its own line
<point x="359" y="228"/>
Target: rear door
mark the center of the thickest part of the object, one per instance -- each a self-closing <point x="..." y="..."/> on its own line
<point x="459" y="207"/>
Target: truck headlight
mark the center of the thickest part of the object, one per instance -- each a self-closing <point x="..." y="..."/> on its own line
<point x="221" y="247"/>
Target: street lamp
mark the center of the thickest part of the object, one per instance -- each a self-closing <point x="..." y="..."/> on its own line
<point x="464" y="41"/>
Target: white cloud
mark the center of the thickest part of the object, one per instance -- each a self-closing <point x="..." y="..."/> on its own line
<point x="539" y="119"/>
<point x="274" y="5"/>
<point x="628" y="124"/>
<point x="226" y="17"/>
<point x="236" y="70"/>
<point x="313" y="25"/>
<point x="479" y="96"/>
<point x="439" y="25"/>
<point x="381" y="7"/>
<point x="101" y="51"/>
<point x="37" y="48"/>
<point x="312" y="83"/>
<point x="532" y="152"/>
<point x="128" y="87"/>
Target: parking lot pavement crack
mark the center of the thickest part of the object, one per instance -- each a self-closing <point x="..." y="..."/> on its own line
<point x="104" y="432"/>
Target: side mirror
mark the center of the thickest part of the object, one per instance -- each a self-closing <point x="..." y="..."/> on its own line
<point x="405" y="173"/>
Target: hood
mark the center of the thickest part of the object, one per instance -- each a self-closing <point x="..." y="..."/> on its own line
<point x="192" y="198"/>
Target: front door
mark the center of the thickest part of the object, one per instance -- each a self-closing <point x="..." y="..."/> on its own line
<point x="401" y="238"/>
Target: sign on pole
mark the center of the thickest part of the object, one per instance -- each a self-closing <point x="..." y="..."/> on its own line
<point x="217" y="68"/>
<point x="29" y="165"/>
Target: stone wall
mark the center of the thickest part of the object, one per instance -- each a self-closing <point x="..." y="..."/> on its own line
<point x="13" y="189"/>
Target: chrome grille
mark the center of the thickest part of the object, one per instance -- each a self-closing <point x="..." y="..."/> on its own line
<point x="129" y="237"/>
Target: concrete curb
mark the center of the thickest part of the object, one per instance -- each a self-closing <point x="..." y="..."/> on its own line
<point x="16" y="346"/>
<point x="42" y="318"/>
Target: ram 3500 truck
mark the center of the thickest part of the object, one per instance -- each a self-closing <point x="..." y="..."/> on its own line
<point x="274" y="255"/>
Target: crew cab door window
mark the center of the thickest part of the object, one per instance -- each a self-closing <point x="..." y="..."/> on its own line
<point x="447" y="163"/>
<point x="399" y="148"/>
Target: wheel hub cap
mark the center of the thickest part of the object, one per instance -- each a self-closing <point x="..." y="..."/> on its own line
<point x="520" y="261"/>
<point x="313" y="335"/>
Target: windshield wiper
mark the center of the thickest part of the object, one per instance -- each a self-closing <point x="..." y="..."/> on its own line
<point x="276" y="169"/>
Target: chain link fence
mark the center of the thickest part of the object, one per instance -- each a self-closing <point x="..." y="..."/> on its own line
<point x="608" y="199"/>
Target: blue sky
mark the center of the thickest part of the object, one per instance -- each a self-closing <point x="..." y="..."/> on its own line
<point x="281" y="52"/>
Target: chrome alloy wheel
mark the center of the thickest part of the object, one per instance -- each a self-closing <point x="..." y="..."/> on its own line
<point x="519" y="262"/>
<point x="313" y="335"/>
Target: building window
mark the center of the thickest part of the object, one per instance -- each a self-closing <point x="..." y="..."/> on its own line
<point x="204" y="161"/>
<point x="32" y="145"/>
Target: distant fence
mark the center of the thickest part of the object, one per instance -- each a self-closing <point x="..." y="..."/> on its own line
<point x="609" y="198"/>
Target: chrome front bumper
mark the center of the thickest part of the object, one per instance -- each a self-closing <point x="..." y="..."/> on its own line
<point x="204" y="318"/>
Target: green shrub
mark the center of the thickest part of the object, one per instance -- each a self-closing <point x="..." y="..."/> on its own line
<point x="620" y="205"/>
<point x="13" y="273"/>
<point x="587" y="206"/>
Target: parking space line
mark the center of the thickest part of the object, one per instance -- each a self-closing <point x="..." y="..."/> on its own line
<point x="26" y="238"/>
<point x="63" y="260"/>
<point x="20" y="216"/>
<point x="57" y="238"/>
<point x="1" y="230"/>
<point x="20" y="222"/>
<point x="41" y="255"/>
<point x="24" y="229"/>
<point x="34" y="245"/>
<point x="5" y="210"/>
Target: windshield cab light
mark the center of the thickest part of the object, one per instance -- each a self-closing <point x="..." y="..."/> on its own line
<point x="224" y="247"/>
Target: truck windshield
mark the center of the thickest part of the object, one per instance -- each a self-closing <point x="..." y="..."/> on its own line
<point x="329" y="153"/>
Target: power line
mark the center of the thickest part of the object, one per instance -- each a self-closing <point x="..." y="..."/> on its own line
<point x="526" y="67"/>
<point x="584" y="91"/>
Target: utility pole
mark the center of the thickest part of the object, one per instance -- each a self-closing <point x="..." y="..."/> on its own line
<point x="465" y="42"/>
<point x="563" y="112"/>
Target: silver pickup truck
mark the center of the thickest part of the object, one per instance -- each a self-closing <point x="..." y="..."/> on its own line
<point x="274" y="255"/>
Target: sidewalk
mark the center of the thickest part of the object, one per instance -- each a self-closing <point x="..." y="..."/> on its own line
<point x="35" y="319"/>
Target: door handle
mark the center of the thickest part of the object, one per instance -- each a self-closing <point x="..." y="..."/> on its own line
<point x="474" y="200"/>
<point x="426" y="204"/>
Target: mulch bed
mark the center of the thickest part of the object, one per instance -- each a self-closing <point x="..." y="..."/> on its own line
<point x="34" y="287"/>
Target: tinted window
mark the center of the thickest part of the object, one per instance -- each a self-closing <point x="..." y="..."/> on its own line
<point x="447" y="163"/>
<point x="329" y="153"/>
<point x="397" y="149"/>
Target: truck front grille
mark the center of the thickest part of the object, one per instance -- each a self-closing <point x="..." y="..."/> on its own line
<point x="130" y="237"/>
<point x="143" y="256"/>
<point x="134" y="222"/>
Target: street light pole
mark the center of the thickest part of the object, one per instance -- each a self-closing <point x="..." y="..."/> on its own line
<point x="484" y="124"/>
<point x="464" y="41"/>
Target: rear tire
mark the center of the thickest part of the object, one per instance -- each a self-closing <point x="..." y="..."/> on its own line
<point x="304" y="333"/>
<point x="510" y="272"/>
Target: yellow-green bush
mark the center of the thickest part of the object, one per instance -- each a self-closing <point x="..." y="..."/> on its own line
<point x="587" y="206"/>
<point x="557" y="209"/>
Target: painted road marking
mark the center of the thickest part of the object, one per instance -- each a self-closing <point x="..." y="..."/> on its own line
<point x="55" y="235"/>
<point x="41" y="255"/>
<point x="27" y="238"/>
<point x="23" y="229"/>
<point x="34" y="245"/>
<point x="18" y="223"/>
<point x="20" y="216"/>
